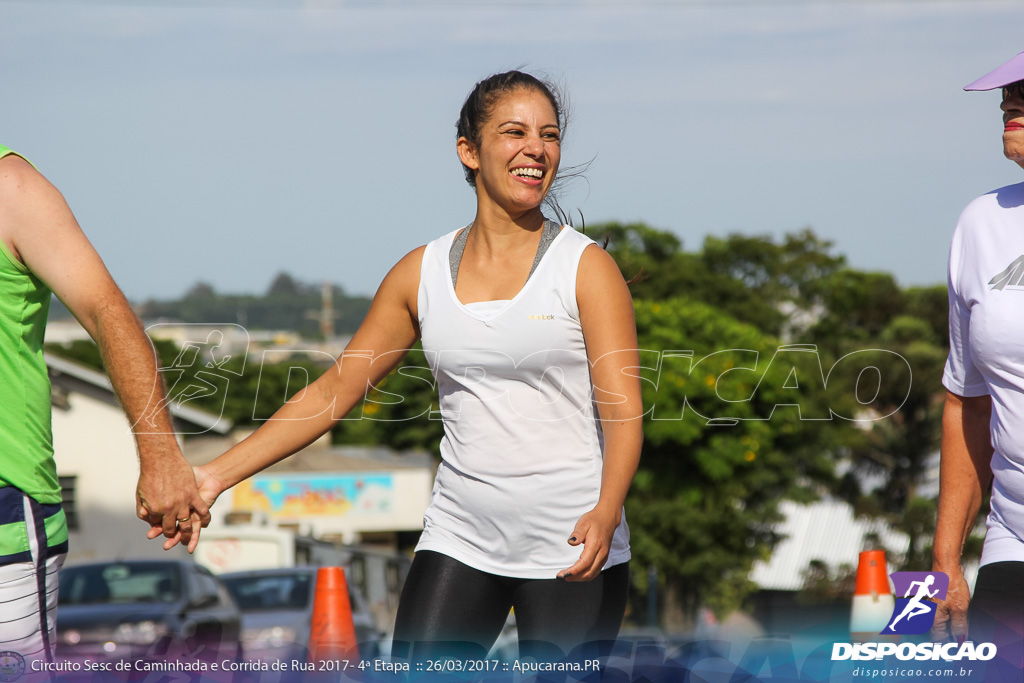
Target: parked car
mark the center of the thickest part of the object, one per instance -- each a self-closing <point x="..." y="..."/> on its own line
<point x="145" y="610"/>
<point x="277" y="611"/>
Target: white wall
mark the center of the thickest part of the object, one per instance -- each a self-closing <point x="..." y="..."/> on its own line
<point x="93" y="442"/>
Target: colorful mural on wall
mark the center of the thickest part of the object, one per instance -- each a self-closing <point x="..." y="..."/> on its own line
<point x="305" y="495"/>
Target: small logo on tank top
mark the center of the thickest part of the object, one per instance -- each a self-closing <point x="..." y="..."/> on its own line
<point x="542" y="317"/>
<point x="1011" y="277"/>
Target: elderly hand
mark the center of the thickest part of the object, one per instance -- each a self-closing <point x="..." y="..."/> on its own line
<point x="951" y="613"/>
<point x="594" y="531"/>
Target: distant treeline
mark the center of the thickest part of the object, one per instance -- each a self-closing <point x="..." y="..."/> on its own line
<point x="288" y="304"/>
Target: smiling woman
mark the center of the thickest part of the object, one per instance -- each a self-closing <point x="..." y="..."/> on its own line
<point x="524" y="479"/>
<point x="514" y="158"/>
<point x="541" y="440"/>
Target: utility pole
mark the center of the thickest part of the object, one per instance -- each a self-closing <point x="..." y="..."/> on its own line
<point x="326" y="315"/>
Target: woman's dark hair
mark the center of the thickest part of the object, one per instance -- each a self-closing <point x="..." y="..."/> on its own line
<point x="480" y="104"/>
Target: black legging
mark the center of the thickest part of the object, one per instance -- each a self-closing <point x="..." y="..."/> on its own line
<point x="997" y="616"/>
<point x="451" y="610"/>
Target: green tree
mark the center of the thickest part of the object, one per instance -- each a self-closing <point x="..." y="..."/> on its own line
<point x="284" y="285"/>
<point x="903" y="436"/>
<point x="930" y="304"/>
<point x="796" y="288"/>
<point x="753" y="279"/>
<point x="401" y="412"/>
<point x="855" y="307"/>
<point x="724" y="445"/>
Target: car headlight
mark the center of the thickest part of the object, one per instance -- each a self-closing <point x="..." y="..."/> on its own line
<point x="141" y="632"/>
<point x="276" y="636"/>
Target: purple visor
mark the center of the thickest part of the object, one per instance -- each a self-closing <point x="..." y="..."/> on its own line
<point x="1008" y="73"/>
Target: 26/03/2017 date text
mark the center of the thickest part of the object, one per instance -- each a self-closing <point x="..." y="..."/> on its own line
<point x="378" y="665"/>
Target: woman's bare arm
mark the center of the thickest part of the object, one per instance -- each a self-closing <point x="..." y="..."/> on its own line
<point x="387" y="333"/>
<point x="965" y="474"/>
<point x="609" y="329"/>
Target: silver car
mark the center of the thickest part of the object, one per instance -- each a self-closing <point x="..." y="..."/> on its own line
<point x="126" y="610"/>
<point x="277" y="610"/>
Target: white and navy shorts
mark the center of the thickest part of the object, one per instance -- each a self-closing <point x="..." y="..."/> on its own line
<point x="33" y="545"/>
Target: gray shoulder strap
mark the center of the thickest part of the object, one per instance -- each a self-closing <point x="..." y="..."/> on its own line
<point x="455" y="253"/>
<point x="549" y="232"/>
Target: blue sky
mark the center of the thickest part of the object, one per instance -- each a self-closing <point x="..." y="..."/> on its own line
<point x="228" y="141"/>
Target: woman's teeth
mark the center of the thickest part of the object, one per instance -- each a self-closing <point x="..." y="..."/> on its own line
<point x="528" y="172"/>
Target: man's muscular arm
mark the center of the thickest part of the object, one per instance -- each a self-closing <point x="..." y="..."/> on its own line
<point x="38" y="227"/>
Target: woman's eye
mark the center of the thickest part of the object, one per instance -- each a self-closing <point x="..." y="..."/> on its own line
<point x="514" y="132"/>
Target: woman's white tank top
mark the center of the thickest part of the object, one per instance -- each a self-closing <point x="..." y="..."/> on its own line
<point x="522" y="448"/>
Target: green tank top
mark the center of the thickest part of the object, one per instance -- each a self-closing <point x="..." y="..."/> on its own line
<point x="26" y="439"/>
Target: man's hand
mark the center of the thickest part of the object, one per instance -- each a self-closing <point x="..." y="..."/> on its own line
<point x="594" y="531"/>
<point x="208" y="489"/>
<point x="168" y="499"/>
<point x="951" y="613"/>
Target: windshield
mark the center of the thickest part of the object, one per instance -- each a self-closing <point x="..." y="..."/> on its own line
<point x="122" y="583"/>
<point x="274" y="592"/>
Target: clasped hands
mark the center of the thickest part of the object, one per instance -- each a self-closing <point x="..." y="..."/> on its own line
<point x="175" y="502"/>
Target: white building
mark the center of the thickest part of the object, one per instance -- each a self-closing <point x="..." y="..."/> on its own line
<point x="98" y="465"/>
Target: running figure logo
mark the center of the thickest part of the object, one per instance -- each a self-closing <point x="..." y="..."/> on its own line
<point x="914" y="613"/>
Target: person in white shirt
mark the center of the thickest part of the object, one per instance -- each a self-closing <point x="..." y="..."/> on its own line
<point x="528" y="327"/>
<point x="983" y="421"/>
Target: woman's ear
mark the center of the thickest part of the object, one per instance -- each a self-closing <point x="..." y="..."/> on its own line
<point x="467" y="153"/>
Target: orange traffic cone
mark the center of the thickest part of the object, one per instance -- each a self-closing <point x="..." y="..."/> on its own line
<point x="872" y="600"/>
<point x="332" y="634"/>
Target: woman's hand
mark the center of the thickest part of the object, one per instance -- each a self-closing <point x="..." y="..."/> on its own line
<point x="951" y="613"/>
<point x="209" y="489"/>
<point x="594" y="531"/>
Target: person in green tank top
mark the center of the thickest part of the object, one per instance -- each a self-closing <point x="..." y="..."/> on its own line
<point x="43" y="252"/>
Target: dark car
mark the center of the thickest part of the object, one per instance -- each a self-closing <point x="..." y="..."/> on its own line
<point x="159" y="610"/>
<point x="277" y="611"/>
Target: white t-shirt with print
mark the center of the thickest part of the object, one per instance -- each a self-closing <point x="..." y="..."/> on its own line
<point x="986" y="355"/>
